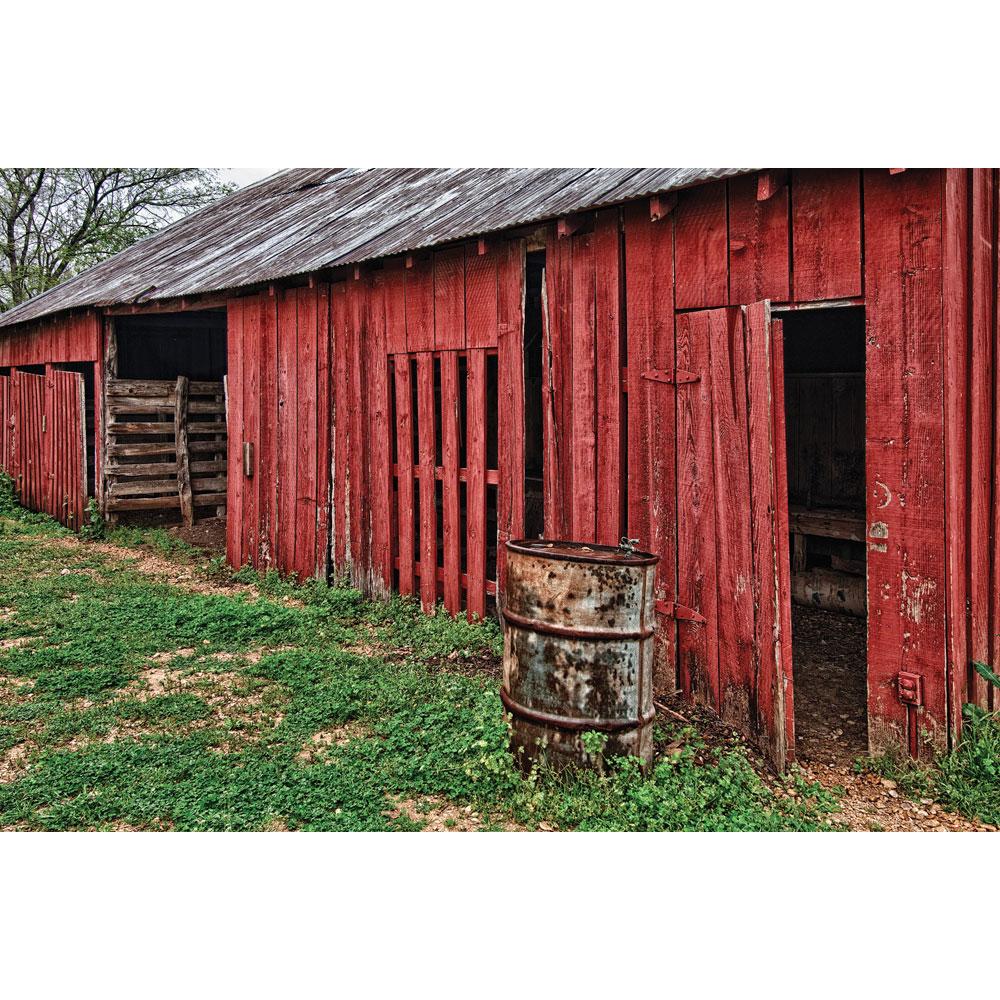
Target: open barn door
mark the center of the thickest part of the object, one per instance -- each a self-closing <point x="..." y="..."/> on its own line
<point x="732" y="609"/>
<point x="66" y="448"/>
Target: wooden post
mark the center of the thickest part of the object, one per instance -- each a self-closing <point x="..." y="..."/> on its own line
<point x="183" y="457"/>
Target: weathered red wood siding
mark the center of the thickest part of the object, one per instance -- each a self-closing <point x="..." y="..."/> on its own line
<point x="972" y="420"/>
<point x="278" y="401"/>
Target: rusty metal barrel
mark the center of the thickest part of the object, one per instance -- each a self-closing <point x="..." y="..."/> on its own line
<point x="578" y="652"/>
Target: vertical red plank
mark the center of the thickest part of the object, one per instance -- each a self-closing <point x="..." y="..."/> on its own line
<point x="4" y="424"/>
<point x="341" y="423"/>
<point x="701" y="248"/>
<point x="428" y="513"/>
<point x="584" y="424"/>
<point x="826" y="234"/>
<point x="306" y="498"/>
<point x="287" y="450"/>
<point x="449" y="299"/>
<point x="451" y="521"/>
<point x="267" y="466"/>
<point x="404" y="474"/>
<point x="995" y="583"/>
<point x="248" y="386"/>
<point x="475" y="451"/>
<point x="981" y="456"/>
<point x="379" y="440"/>
<point x="510" y="390"/>
<point x="759" y="255"/>
<point x="905" y="446"/>
<point x="395" y="307"/>
<point x="357" y="485"/>
<point x="697" y="561"/>
<point x="558" y="387"/>
<point x="733" y="543"/>
<point x="956" y="379"/>
<point x="482" y="295"/>
<point x="609" y="483"/>
<point x="324" y="452"/>
<point x="652" y="417"/>
<point x="420" y="305"/>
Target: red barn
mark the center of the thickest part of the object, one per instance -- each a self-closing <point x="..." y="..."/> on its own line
<point x="781" y="381"/>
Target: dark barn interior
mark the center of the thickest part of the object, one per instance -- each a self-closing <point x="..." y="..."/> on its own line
<point x="825" y="428"/>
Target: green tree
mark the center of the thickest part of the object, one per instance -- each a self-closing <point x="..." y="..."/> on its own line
<point x="57" y="221"/>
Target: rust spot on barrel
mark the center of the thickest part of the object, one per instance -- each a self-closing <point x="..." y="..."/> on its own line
<point x="578" y="651"/>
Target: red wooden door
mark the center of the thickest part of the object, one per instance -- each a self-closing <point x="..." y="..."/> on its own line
<point x="65" y="449"/>
<point x="732" y="606"/>
<point x="29" y="429"/>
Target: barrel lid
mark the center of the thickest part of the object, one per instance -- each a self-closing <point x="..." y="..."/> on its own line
<point x="580" y="552"/>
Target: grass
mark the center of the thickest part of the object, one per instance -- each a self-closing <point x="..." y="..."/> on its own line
<point x="127" y="702"/>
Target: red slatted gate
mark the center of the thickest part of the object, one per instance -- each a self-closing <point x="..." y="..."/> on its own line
<point x="65" y="448"/>
<point x="28" y="445"/>
<point x="5" y="424"/>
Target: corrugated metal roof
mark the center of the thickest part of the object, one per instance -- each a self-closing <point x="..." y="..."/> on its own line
<point x="302" y="220"/>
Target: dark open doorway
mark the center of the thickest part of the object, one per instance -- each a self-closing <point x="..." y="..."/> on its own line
<point x="825" y="427"/>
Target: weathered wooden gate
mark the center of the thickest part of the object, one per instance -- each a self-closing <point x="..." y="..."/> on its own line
<point x="65" y="448"/>
<point x="28" y="463"/>
<point x="5" y="424"/>
<point x="707" y="491"/>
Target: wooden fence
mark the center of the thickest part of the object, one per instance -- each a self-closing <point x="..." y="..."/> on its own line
<point x="165" y="446"/>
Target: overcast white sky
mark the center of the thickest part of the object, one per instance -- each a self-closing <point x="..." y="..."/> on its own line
<point x="245" y="175"/>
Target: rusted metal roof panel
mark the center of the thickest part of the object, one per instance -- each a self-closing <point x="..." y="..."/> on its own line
<point x="303" y="220"/>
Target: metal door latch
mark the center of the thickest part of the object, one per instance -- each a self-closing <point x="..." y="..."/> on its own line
<point x="628" y="545"/>
<point x="910" y="688"/>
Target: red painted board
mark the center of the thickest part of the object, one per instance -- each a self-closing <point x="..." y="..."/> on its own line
<point x="476" y="482"/>
<point x="419" y="280"/>
<point x="734" y="558"/>
<point x="759" y="253"/>
<point x="394" y="276"/>
<point x="405" y="470"/>
<point x="483" y="278"/>
<point x="267" y="465"/>
<point x="323" y="431"/>
<point x="358" y="498"/>
<point x="652" y="417"/>
<point x="982" y="429"/>
<point x="510" y="403"/>
<point x="583" y="442"/>
<point x="904" y="459"/>
<point x="380" y="438"/>
<point x="249" y="487"/>
<point x="701" y="247"/>
<point x="697" y="560"/>
<point x="306" y="500"/>
<point x="287" y="450"/>
<point x="428" y="513"/>
<point x="340" y="359"/>
<point x="956" y="377"/>
<point x="609" y="401"/>
<point x="449" y="299"/>
<point x="451" y="516"/>
<point x="826" y="234"/>
<point x="234" y="422"/>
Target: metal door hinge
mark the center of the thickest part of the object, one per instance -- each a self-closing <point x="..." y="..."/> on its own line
<point x="248" y="459"/>
<point x="675" y="376"/>
<point x="43" y="423"/>
<point x="910" y="688"/>
<point x="674" y="610"/>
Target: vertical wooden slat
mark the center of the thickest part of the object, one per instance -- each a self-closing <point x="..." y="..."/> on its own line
<point x="307" y="498"/>
<point x="652" y="417"/>
<point x="286" y="454"/>
<point x="701" y="247"/>
<point x="451" y="522"/>
<point x="733" y="542"/>
<point x="420" y="305"/>
<point x="404" y="467"/>
<point x="759" y="255"/>
<point x="237" y="552"/>
<point x="826" y="234"/>
<point x="609" y="484"/>
<point x="904" y="454"/>
<point x="341" y="424"/>
<point x="697" y="560"/>
<point x="956" y="377"/>
<point x="482" y="295"/>
<point x="475" y="451"/>
<point x="267" y="466"/>
<point x="379" y="440"/>
<point x="428" y="515"/>
<point x="510" y="402"/>
<point x="181" y="448"/>
<point x="583" y="439"/>
<point x="981" y="463"/>
<point x="558" y="387"/>
<point x="449" y="299"/>
<point x="358" y="442"/>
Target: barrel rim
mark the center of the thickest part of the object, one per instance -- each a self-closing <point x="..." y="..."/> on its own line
<point x="589" y="552"/>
